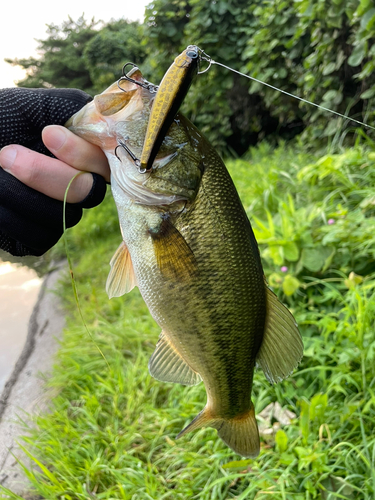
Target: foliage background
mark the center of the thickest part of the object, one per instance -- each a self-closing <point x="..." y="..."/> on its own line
<point x="321" y="50"/>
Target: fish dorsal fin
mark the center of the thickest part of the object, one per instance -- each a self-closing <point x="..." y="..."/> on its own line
<point x="167" y="365"/>
<point x="121" y="278"/>
<point x="108" y="104"/>
<point x="174" y="257"/>
<point x="282" y="347"/>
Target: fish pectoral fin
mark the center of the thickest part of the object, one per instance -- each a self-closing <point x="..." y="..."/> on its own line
<point x="167" y="365"/>
<point x="174" y="257"/>
<point x="239" y="433"/>
<point x="121" y="278"/>
<point x="282" y="347"/>
<point x="108" y="104"/>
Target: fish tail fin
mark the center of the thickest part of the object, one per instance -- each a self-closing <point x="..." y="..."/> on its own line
<point x="239" y="433"/>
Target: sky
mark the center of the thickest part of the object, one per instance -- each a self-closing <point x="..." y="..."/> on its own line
<point x="23" y="21"/>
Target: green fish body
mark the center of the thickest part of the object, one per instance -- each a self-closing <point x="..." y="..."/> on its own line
<point x="189" y="247"/>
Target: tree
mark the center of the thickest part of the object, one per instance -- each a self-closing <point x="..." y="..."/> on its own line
<point x="78" y="55"/>
<point x="105" y="54"/>
<point x="320" y="50"/>
<point x="61" y="63"/>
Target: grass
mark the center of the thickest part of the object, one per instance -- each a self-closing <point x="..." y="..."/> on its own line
<point x="111" y="430"/>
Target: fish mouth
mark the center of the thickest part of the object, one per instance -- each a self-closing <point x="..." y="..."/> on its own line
<point x="120" y="101"/>
<point x="134" y="184"/>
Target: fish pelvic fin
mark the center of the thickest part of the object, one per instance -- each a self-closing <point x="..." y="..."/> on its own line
<point x="240" y="433"/>
<point x="167" y="365"/>
<point x="282" y="347"/>
<point x="121" y="278"/>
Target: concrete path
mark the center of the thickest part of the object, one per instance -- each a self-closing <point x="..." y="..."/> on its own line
<point x="24" y="390"/>
<point x="19" y="289"/>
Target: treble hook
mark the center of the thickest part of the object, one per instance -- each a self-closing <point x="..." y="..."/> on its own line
<point x="136" y="161"/>
<point x="145" y="84"/>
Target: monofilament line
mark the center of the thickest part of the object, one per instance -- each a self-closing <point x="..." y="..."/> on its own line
<point x="291" y="95"/>
<point x="74" y="286"/>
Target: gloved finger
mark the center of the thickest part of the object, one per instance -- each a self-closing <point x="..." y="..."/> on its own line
<point x="47" y="175"/>
<point x="30" y="222"/>
<point x="75" y="151"/>
<point x="25" y="112"/>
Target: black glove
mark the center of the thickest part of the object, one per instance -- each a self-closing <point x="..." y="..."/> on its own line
<point x="31" y="222"/>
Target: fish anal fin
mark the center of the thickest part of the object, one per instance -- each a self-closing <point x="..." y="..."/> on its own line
<point x="282" y="347"/>
<point x="121" y="278"/>
<point x="167" y="365"/>
<point x="174" y="257"/>
<point x="239" y="433"/>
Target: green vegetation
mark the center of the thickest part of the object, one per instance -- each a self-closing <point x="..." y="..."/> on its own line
<point x="320" y="50"/>
<point x="83" y="54"/>
<point x="111" y="430"/>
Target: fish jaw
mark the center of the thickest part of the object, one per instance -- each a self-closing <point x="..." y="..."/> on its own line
<point x="116" y="118"/>
<point x="105" y="130"/>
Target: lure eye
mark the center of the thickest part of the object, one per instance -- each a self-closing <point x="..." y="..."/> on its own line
<point x="192" y="51"/>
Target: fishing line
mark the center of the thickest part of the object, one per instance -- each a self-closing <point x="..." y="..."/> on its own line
<point x="74" y="286"/>
<point x="211" y="61"/>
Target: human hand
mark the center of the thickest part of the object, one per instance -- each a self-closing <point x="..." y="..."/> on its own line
<point x="51" y="176"/>
<point x="32" y="184"/>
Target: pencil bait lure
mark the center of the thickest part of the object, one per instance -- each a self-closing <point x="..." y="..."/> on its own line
<point x="169" y="96"/>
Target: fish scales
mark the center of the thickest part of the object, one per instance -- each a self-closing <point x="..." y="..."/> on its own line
<point x="216" y="314"/>
<point x="189" y="247"/>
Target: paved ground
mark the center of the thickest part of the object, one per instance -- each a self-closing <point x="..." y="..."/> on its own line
<point x="24" y="390"/>
<point x="19" y="289"/>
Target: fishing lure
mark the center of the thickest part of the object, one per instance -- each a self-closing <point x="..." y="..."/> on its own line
<point x="169" y="97"/>
<point x="171" y="93"/>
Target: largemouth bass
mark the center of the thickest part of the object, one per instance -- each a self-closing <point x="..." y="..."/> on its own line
<point x="189" y="247"/>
